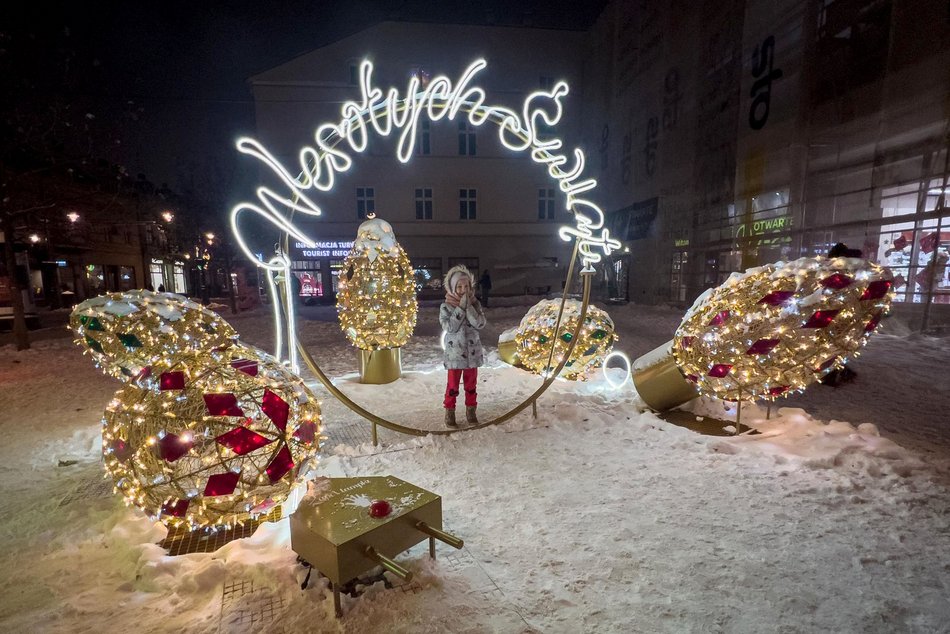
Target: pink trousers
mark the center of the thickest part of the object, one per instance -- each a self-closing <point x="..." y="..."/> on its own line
<point x="469" y="377"/>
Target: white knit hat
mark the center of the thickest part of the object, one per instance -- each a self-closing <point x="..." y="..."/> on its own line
<point x="453" y="274"/>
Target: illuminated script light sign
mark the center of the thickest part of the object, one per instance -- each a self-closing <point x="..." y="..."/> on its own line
<point x="387" y="113"/>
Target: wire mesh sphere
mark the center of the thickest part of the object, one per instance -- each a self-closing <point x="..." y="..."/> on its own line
<point x="775" y="329"/>
<point x="126" y="332"/>
<point x="215" y="440"/>
<point x="376" y="297"/>
<point x="536" y="336"/>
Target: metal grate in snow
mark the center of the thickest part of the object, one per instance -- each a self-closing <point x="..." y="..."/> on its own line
<point x="351" y="434"/>
<point x="93" y="488"/>
<point x="246" y="608"/>
<point x="181" y="541"/>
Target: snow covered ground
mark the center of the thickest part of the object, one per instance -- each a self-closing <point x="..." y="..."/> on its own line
<point x="595" y="517"/>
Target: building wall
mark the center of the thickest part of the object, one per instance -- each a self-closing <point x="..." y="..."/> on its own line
<point x="798" y="125"/>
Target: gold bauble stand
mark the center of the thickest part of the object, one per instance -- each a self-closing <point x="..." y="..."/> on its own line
<point x="659" y="382"/>
<point x="508" y="352"/>
<point x="380" y="366"/>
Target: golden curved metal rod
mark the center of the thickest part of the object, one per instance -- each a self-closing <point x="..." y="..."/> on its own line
<point x="413" y="431"/>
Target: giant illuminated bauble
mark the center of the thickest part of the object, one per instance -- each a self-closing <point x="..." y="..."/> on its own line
<point x="376" y="298"/>
<point x="126" y="332"/>
<point x="211" y="439"/>
<point x="536" y="336"/>
<point x="777" y="328"/>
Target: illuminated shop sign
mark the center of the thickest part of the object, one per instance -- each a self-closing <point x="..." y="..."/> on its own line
<point x="325" y="249"/>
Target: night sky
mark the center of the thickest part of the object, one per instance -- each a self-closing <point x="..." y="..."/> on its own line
<point x="167" y="82"/>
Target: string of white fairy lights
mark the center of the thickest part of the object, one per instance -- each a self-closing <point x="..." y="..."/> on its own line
<point x="388" y="112"/>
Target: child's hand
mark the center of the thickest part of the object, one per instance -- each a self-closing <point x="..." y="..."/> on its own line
<point x="464" y="301"/>
<point x="451" y="299"/>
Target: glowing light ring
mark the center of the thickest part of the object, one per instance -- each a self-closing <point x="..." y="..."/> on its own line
<point x="626" y="360"/>
<point x="439" y="99"/>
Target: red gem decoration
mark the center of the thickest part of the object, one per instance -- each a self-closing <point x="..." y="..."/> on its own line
<point x="144" y="373"/>
<point x="821" y="318"/>
<point x="222" y="484"/>
<point x="280" y="465"/>
<point x="307" y="432"/>
<point x="775" y="391"/>
<point x="223" y="404"/>
<point x="173" y="447"/>
<point x="172" y="381"/>
<point x="692" y="377"/>
<point x="827" y="364"/>
<point x="763" y="346"/>
<point x="719" y="370"/>
<point x="380" y="508"/>
<point x="246" y="366"/>
<point x="720" y="318"/>
<point x="686" y="342"/>
<point x="276" y="409"/>
<point x="871" y="325"/>
<point x="837" y="281"/>
<point x="776" y="298"/>
<point x="177" y="509"/>
<point x="242" y="440"/>
<point x="876" y="289"/>
<point x="121" y="450"/>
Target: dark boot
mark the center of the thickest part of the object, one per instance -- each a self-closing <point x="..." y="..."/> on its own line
<point x="450" y="418"/>
<point x="470" y="417"/>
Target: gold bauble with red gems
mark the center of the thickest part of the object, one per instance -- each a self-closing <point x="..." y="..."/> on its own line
<point x="775" y="329"/>
<point x="212" y="439"/>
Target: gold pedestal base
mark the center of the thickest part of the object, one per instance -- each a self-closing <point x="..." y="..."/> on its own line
<point x="659" y="381"/>
<point x="380" y="366"/>
<point x="508" y="352"/>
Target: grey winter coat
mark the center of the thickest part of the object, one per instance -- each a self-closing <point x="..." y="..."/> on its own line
<point x="463" y="347"/>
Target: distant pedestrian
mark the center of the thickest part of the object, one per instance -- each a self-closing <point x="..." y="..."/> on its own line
<point x="161" y="288"/>
<point x="485" y="284"/>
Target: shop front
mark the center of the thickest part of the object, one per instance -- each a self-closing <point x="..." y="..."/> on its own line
<point x="316" y="269"/>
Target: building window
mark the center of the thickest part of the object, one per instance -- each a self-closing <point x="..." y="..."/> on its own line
<point x="546" y="82"/>
<point x="546" y="203"/>
<point x="428" y="273"/>
<point x="423" y="143"/>
<point x="365" y="201"/>
<point x="466" y="204"/>
<point x="470" y="263"/>
<point x="466" y="138"/>
<point x="179" y="277"/>
<point x="423" y="203"/>
<point x="126" y="278"/>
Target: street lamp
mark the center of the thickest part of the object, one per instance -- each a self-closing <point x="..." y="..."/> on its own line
<point x="168" y="216"/>
<point x="73" y="216"/>
<point x="34" y="238"/>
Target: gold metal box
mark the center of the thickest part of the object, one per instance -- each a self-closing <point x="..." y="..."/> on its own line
<point x="336" y="534"/>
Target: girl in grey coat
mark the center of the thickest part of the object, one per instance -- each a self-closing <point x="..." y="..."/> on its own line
<point x="461" y="317"/>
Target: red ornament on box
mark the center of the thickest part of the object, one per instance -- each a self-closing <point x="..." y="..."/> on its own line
<point x="380" y="509"/>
